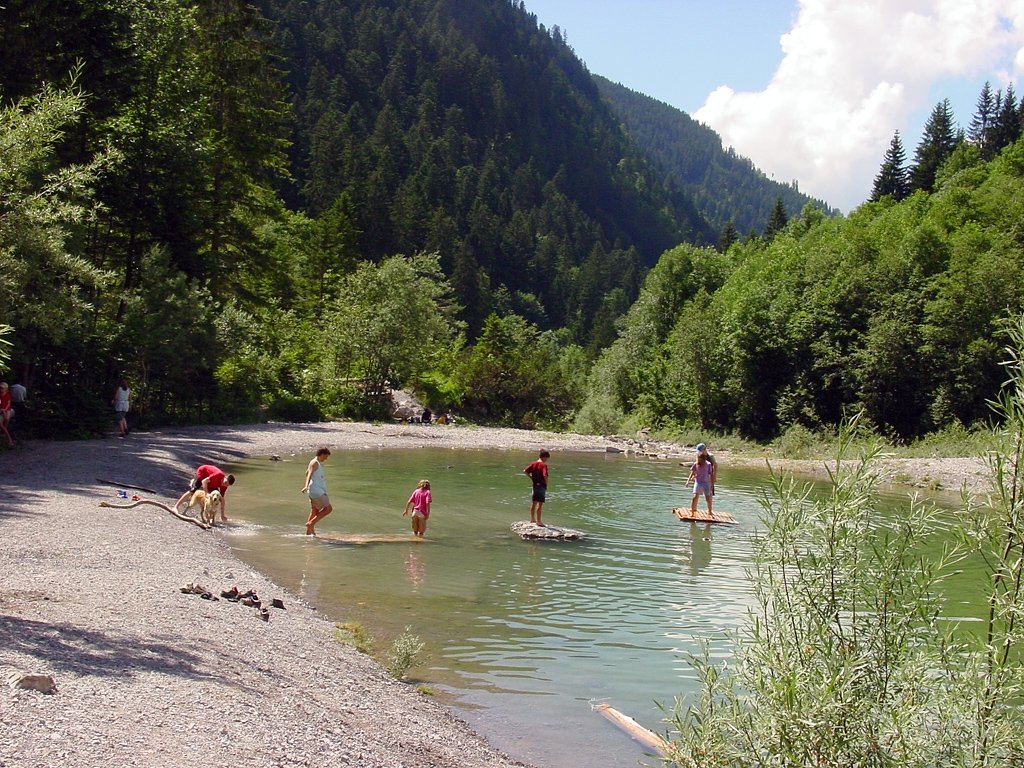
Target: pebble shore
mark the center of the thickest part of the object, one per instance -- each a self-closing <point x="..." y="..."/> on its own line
<point x="149" y="676"/>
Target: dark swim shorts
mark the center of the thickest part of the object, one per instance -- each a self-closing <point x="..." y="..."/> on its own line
<point x="539" y="493"/>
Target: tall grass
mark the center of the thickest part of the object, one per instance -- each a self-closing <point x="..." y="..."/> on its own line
<point x="844" y="662"/>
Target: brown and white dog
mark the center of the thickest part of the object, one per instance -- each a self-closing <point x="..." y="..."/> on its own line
<point x="209" y="505"/>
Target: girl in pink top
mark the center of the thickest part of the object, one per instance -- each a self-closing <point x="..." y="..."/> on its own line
<point x="419" y="503"/>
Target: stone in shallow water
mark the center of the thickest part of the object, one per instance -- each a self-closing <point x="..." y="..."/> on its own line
<point x="524" y="529"/>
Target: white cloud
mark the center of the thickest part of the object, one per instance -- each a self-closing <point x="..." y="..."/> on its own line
<point x="851" y="74"/>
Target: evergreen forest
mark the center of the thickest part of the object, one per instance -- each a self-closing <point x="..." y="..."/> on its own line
<point x="728" y="190"/>
<point x="283" y="208"/>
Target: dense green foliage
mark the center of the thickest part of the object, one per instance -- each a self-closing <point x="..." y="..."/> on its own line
<point x="190" y="188"/>
<point x="285" y="207"/>
<point x="894" y="309"/>
<point x="851" y="654"/>
<point x="725" y="186"/>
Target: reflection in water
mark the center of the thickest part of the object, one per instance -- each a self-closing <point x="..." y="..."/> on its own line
<point x="414" y="569"/>
<point x="700" y="547"/>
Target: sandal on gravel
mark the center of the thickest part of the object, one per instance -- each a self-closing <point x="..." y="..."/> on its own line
<point x="263" y="613"/>
<point x="247" y="593"/>
<point x="230" y="594"/>
<point x="252" y="602"/>
<point x="209" y="596"/>
<point x="277" y="602"/>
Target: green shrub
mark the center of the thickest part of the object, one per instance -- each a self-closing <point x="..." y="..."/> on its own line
<point x="848" y="657"/>
<point x="798" y="442"/>
<point x="288" y="407"/>
<point x="353" y="633"/>
<point x="403" y="654"/>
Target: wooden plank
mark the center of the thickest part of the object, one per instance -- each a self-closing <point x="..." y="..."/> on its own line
<point x="701" y="516"/>
<point x="637" y="732"/>
<point x="367" y="538"/>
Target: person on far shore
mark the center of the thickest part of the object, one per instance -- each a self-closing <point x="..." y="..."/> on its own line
<point x="210" y="478"/>
<point x="538" y="473"/>
<point x="122" y="404"/>
<point x="316" y="486"/>
<point x="419" y="503"/>
<point x="700" y="476"/>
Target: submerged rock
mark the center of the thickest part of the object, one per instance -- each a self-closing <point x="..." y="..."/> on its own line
<point x="524" y="529"/>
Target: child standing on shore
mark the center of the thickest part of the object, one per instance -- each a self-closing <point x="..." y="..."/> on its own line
<point x="419" y="503"/>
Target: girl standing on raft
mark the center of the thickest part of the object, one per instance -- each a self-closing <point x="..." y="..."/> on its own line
<point x="419" y="503"/>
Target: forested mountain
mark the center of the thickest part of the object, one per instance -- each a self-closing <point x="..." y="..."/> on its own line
<point x="466" y="129"/>
<point x="215" y="169"/>
<point x="724" y="186"/>
<point x="285" y="208"/>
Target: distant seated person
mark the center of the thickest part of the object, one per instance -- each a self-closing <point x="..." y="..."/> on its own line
<point x="209" y="478"/>
<point x="427" y="417"/>
<point x="6" y="411"/>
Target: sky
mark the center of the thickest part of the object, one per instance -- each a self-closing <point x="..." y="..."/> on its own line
<point x="810" y="90"/>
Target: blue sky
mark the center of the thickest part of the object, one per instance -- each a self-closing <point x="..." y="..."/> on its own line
<point x="810" y="90"/>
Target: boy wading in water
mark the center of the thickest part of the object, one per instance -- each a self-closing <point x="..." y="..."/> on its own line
<point x="419" y="503"/>
<point x="538" y="472"/>
<point x="316" y="486"/>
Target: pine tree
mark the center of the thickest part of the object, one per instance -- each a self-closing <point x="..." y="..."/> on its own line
<point x="777" y="221"/>
<point x="985" y="113"/>
<point x="892" y="178"/>
<point x="728" y="237"/>
<point x="1006" y="126"/>
<point x="938" y="142"/>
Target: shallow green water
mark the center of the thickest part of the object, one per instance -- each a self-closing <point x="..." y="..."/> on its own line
<point x="521" y="636"/>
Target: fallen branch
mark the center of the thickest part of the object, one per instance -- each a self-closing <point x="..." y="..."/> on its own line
<point x="124" y="485"/>
<point x="633" y="729"/>
<point x="163" y="506"/>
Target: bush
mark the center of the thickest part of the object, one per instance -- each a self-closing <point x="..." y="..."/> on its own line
<point x="798" y="442"/>
<point x="598" y="416"/>
<point x="288" y="407"/>
<point x="402" y="656"/>
<point x="353" y="633"/>
<point x="847" y="658"/>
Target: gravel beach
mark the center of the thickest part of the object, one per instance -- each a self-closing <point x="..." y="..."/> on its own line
<point x="149" y="676"/>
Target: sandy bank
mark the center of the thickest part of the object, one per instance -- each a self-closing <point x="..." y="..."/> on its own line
<point x="149" y="676"/>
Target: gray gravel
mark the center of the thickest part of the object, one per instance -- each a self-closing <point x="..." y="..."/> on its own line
<point x="149" y="676"/>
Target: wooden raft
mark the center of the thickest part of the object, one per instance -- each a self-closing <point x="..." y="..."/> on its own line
<point x="701" y="516"/>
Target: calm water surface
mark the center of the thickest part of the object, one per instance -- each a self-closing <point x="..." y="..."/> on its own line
<point x="521" y="636"/>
